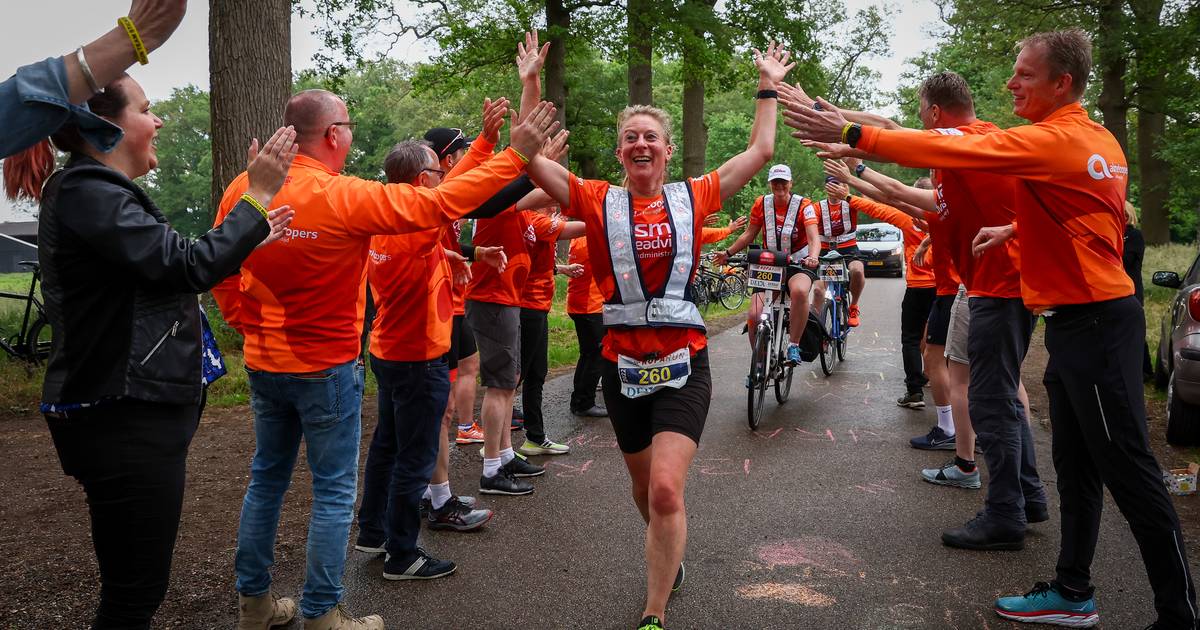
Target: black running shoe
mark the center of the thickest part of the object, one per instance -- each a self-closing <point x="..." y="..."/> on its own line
<point x="422" y="567"/>
<point x="650" y="623"/>
<point x="984" y="534"/>
<point x="518" y="466"/>
<point x="504" y="483"/>
<point x="679" y="577"/>
<point x="458" y="516"/>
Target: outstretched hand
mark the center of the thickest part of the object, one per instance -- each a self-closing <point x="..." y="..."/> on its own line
<point x="822" y="125"/>
<point x="531" y="58"/>
<point x="989" y="237"/>
<point x="838" y="170"/>
<point x="789" y="93"/>
<point x="493" y="256"/>
<point x="493" y="118"/>
<point x="267" y="169"/>
<point x="772" y="65"/>
<point x="530" y="132"/>
<point x="737" y="224"/>
<point x="156" y="20"/>
<point x="556" y="147"/>
<point x="573" y="270"/>
<point x="828" y="150"/>
<point x="459" y="267"/>
<point x="279" y="219"/>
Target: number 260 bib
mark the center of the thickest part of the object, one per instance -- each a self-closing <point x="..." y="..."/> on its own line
<point x="641" y="378"/>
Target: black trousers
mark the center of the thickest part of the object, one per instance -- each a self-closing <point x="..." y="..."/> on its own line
<point x="589" y="329"/>
<point x="535" y="341"/>
<point x="997" y="341"/>
<point x="914" y="312"/>
<point x="1098" y="414"/>
<point x="130" y="458"/>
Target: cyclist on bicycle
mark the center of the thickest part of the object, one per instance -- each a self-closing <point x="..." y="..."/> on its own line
<point x="837" y="222"/>
<point x="791" y="216"/>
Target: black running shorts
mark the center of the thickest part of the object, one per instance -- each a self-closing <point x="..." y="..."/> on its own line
<point x="939" y="320"/>
<point x="683" y="410"/>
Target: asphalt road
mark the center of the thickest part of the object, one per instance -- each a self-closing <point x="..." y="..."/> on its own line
<point x="817" y="520"/>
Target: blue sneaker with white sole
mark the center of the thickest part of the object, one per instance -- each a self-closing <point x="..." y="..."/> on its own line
<point x="935" y="440"/>
<point x="793" y="353"/>
<point x="1046" y="604"/>
<point x="951" y="475"/>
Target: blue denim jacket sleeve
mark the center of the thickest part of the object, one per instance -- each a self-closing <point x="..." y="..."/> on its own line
<point x="34" y="104"/>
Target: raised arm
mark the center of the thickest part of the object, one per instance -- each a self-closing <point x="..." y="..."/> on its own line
<point x="530" y="59"/>
<point x="794" y="95"/>
<point x="882" y="188"/>
<point x="736" y="171"/>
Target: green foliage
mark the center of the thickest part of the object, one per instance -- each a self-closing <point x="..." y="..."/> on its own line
<point x="181" y="184"/>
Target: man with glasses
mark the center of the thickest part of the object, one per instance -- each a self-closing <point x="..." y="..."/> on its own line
<point x="298" y="304"/>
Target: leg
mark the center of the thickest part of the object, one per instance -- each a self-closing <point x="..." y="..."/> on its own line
<point x="798" y="287"/>
<point x="277" y="442"/>
<point x="381" y="460"/>
<point x="589" y="330"/>
<point x="465" y="389"/>
<point x="497" y="331"/>
<point x="757" y="302"/>
<point x="441" y="470"/>
<point x="858" y="281"/>
<point x="914" y="312"/>
<point x="666" y="535"/>
<point x="534" y="367"/>
<point x="964" y="432"/>
<point x="329" y="409"/>
<point x="938" y="373"/>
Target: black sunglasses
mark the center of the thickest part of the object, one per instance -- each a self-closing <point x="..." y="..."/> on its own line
<point x="348" y="123"/>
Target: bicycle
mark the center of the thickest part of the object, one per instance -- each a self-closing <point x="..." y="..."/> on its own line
<point x="768" y="361"/>
<point x="31" y="343"/>
<point x="710" y="286"/>
<point x="836" y="311"/>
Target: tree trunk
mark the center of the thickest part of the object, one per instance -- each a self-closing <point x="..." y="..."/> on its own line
<point x="1154" y="177"/>
<point x="641" y="52"/>
<point x="1110" y="47"/>
<point x="250" y="75"/>
<point x="558" y="27"/>
<point x="695" y="134"/>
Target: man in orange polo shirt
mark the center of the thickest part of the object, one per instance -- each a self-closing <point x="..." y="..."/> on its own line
<point x="299" y="306"/>
<point x="1069" y="221"/>
<point x="584" y="306"/>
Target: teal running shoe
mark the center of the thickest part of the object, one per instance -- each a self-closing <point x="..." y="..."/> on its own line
<point x="951" y="475"/>
<point x="1045" y="604"/>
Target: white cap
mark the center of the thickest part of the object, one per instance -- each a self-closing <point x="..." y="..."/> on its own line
<point x="779" y="171"/>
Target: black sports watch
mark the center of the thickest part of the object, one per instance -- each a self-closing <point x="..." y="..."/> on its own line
<point x="854" y="134"/>
<point x="858" y="170"/>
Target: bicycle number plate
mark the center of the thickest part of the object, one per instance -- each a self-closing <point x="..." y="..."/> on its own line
<point x="835" y="272"/>
<point x="767" y="277"/>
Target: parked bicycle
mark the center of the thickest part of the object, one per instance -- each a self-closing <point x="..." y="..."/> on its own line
<point x="711" y="286"/>
<point x="836" y="311"/>
<point x="768" y="360"/>
<point x="30" y="343"/>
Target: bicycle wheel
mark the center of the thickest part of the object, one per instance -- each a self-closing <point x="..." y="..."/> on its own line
<point x="828" y="344"/>
<point x="760" y="368"/>
<point x="700" y="294"/>
<point x="844" y="316"/>
<point x="783" y="384"/>
<point x="37" y="340"/>
<point x="733" y="293"/>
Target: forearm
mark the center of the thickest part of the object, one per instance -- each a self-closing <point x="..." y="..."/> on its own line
<point x="867" y="118"/>
<point x="551" y="177"/>
<point x="742" y="241"/>
<point x="894" y="192"/>
<point x="503" y="200"/>
<point x="531" y="93"/>
<point x="1020" y="151"/>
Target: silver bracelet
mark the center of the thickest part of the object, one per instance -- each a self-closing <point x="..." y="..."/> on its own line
<point x="87" y="70"/>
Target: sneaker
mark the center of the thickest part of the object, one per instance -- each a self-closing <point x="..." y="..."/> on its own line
<point x="517" y="414"/>
<point x="547" y="447"/>
<point x="427" y="504"/>
<point x="935" y="440"/>
<point x="983" y="534"/>
<point x="369" y="545"/>
<point x="595" y="411"/>
<point x="264" y="611"/>
<point x="1036" y="512"/>
<point x="338" y="618"/>
<point x="650" y="623"/>
<point x="951" y="475"/>
<point x="423" y="567"/>
<point x="679" y="577"/>
<point x="504" y="483"/>
<point x="470" y="435"/>
<point x="1046" y="604"/>
<point x="793" y="353"/>
<point x="520" y="467"/>
<point x="517" y="423"/>
<point x="458" y="516"/>
<point x="852" y="320"/>
<point x="912" y="400"/>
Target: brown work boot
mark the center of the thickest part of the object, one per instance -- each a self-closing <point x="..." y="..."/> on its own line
<point x="339" y="619"/>
<point x="264" y="611"/>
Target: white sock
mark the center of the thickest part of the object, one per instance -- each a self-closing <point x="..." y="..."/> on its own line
<point x="428" y="493"/>
<point x="464" y="427"/>
<point x="945" y="419"/>
<point x="491" y="467"/>
<point x="440" y="494"/>
<point x="506" y="455"/>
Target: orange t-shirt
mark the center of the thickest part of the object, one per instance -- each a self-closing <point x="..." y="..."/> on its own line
<point x="942" y="234"/>
<point x="458" y="292"/>
<point x="654" y="244"/>
<point x="808" y="216"/>
<point x="411" y="282"/>
<point x="583" y="296"/>
<point x="515" y="231"/>
<point x="1070" y="202"/>
<point x="539" y="284"/>
<point x="299" y="301"/>
<point x="916" y="276"/>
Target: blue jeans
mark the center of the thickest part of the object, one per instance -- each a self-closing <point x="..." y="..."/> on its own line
<point x="412" y="399"/>
<point x="324" y="408"/>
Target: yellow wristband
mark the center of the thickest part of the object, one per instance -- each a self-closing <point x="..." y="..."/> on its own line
<point x="139" y="47"/>
<point x="519" y="154"/>
<point x="846" y="130"/>
<point x="257" y="206"/>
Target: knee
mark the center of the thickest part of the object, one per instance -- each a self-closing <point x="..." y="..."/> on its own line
<point x="666" y="496"/>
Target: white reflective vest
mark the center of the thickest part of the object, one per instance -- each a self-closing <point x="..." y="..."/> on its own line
<point x="631" y="304"/>
<point x="777" y="238"/>
<point x="840" y="232"/>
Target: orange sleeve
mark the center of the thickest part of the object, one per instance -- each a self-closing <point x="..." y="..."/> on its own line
<point x="1020" y="151"/>
<point x="756" y="211"/>
<point x="228" y="292"/>
<point x="706" y="190"/>
<point x="712" y="235"/>
<point x="545" y="228"/>
<point x="480" y="151"/>
<point x="368" y="207"/>
<point x="809" y="212"/>
<point x="882" y="211"/>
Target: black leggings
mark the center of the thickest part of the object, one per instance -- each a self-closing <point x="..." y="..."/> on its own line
<point x="130" y="458"/>
<point x="535" y="339"/>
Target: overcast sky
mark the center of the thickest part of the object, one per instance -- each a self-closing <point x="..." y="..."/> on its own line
<point x="35" y="30"/>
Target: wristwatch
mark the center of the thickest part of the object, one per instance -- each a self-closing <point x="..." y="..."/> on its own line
<point x="858" y="170"/>
<point x="854" y="134"/>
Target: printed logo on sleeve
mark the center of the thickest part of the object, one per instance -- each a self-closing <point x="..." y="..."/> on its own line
<point x="1100" y="169"/>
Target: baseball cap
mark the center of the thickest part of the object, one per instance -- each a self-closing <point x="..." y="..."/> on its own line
<point x="779" y="171"/>
<point x="447" y="140"/>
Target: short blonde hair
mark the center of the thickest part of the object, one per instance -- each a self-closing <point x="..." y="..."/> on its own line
<point x="1131" y="215"/>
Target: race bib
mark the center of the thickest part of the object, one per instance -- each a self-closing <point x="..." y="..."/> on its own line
<point x="641" y="378"/>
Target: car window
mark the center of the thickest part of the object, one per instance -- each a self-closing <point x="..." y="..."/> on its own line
<point x="877" y="235"/>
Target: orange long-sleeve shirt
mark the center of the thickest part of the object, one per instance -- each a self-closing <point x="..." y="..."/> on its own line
<point x="917" y="276"/>
<point x="583" y="296"/>
<point x="299" y="301"/>
<point x="410" y="278"/>
<point x="1069" y="203"/>
<point x="710" y="235"/>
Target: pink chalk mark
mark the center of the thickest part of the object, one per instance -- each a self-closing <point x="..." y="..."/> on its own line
<point x="807" y="551"/>
<point x="830" y="434"/>
<point x="746" y="467"/>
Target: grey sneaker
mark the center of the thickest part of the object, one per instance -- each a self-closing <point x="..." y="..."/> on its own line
<point x="427" y="504"/>
<point x="458" y="516"/>
<point x="915" y="400"/>
<point x="951" y="475"/>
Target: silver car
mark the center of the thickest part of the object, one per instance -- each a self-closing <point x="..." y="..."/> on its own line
<point x="1177" y="364"/>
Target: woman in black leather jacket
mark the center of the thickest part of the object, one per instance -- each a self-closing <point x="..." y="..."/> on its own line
<point x="123" y="389"/>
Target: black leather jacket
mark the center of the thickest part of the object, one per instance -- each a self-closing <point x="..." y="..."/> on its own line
<point x="120" y="287"/>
